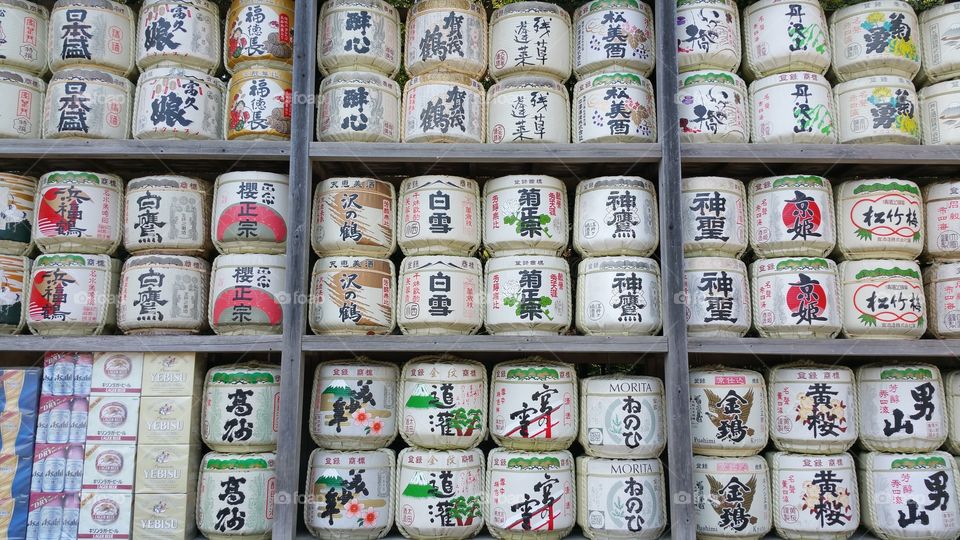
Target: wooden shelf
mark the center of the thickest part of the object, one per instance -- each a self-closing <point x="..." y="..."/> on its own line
<point x="230" y="344"/>
<point x="627" y="349"/>
<point x="833" y="348"/>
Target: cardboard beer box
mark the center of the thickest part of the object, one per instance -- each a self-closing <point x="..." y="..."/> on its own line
<point x="113" y="418"/>
<point x="167" y="468"/>
<point x="170" y="420"/>
<point x="57" y="468"/>
<point x="117" y="373"/>
<point x="13" y="516"/>
<point x="165" y="516"/>
<point x="173" y="374"/>
<point x="109" y="467"/>
<point x="18" y="432"/>
<point x="105" y="515"/>
<point x="15" y="475"/>
<point x="20" y="389"/>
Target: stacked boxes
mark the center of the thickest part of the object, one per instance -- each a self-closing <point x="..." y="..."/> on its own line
<point x="18" y="416"/>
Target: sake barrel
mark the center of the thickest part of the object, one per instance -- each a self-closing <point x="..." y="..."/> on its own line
<point x="616" y="215"/>
<point x="620" y="499"/>
<point x="94" y="34"/>
<point x="714" y="217"/>
<point x="713" y="108"/>
<point x="73" y="295"/>
<point x="951" y="385"/>
<point x="882" y="299"/>
<point x="247" y="293"/>
<point x="358" y="107"/>
<point x="439" y="215"/>
<point x="534" y="404"/>
<point x="909" y="495"/>
<point x="942" y="287"/>
<point x="530" y="491"/>
<point x="875" y="38"/>
<point x="163" y="295"/>
<point x="614" y="108"/>
<point x="528" y="109"/>
<point x="167" y="215"/>
<point x="783" y="35"/>
<point x="613" y="35"/>
<point x="792" y="108"/>
<point x="814" y="496"/>
<point x="250" y="212"/>
<point x="259" y="104"/>
<point x="354" y="404"/>
<point x="235" y="495"/>
<point x="731" y="497"/>
<point x="440" y="493"/>
<point x="708" y="35"/>
<point x="78" y="212"/>
<point x="179" y="33"/>
<point x="27" y="50"/>
<point x="877" y="109"/>
<point x="938" y="104"/>
<point x="524" y="214"/>
<point x="359" y="35"/>
<point x="527" y="296"/>
<point x="178" y="103"/>
<point x="259" y="33"/>
<point x="792" y="216"/>
<point x="14" y="273"/>
<point x="717" y="297"/>
<point x="354" y="216"/>
<point x="622" y="416"/>
<point x="879" y="218"/>
<point x="939" y="27"/>
<point x="618" y="296"/>
<point x="352" y="296"/>
<point x="796" y="297"/>
<point x="446" y="36"/>
<point x="440" y="295"/>
<point x="902" y="407"/>
<point x="17" y="195"/>
<point x="530" y="38"/>
<point x="728" y="411"/>
<point x="443" y="402"/>
<point x="24" y="94"/>
<point x="365" y="479"/>
<point x="813" y="408"/>
<point x="241" y="409"/>
<point x="87" y="104"/>
<point x="443" y="108"/>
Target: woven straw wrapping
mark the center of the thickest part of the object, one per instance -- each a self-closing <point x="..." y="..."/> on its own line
<point x="533" y="364"/>
<point x="438" y="532"/>
<point x="870" y="427"/>
<point x="105" y="318"/>
<point x="804" y="440"/>
<point x="388" y="373"/>
<point x="359" y="533"/>
<point x="424" y="436"/>
<point x="520" y="534"/>
<point x="591" y="404"/>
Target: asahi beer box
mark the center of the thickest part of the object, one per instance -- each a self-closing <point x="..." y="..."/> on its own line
<point x="241" y="489"/>
<point x="530" y="37"/>
<point x="731" y="497"/>
<point x="533" y="404"/>
<point x="78" y="212"/>
<point x="109" y="467"/>
<point x="440" y="295"/>
<point x="106" y="515"/>
<point x="72" y="295"/>
<point x="259" y="105"/>
<point x="621" y="499"/>
<point x="165" y="516"/>
<point x="902" y="407"/>
<point x="813" y="408"/>
<point x="614" y="35"/>
<point x="167" y="468"/>
<point x="881" y="37"/>
<point x="167" y="214"/>
<point x="708" y="35"/>
<point x="113" y="419"/>
<point x="25" y="46"/>
<point x="713" y="107"/>
<point x="359" y="36"/>
<point x="177" y="32"/>
<point x="715" y="217"/>
<point x="14" y="516"/>
<point x="443" y="402"/>
<point x="728" y="412"/>
<point x="53" y="515"/>
<point x="881" y="109"/>
<point x="66" y="374"/>
<point x="169" y="420"/>
<point x="440" y="493"/>
<point x="23" y="118"/>
<point x="785" y="35"/>
<point x="98" y="33"/>
<point x="352" y="295"/>
<point x="117" y="373"/>
<point x="352" y="494"/>
<point x="446" y="37"/>
<point x="17" y="195"/>
<point x="241" y="408"/>
<point x="796" y="297"/>
<point x="57" y="468"/>
<point x="530" y="491"/>
<point x="622" y="417"/>
<point x="258" y="33"/>
<point x="354" y="404"/>
<point x="792" y="216"/>
<point x="172" y="374"/>
<point x="814" y="496"/>
<point x="62" y="419"/>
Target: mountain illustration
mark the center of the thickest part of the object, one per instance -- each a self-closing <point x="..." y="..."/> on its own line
<point x="421" y="399"/>
<point x="338" y="388"/>
<point x="331" y="478"/>
<point x="419" y="488"/>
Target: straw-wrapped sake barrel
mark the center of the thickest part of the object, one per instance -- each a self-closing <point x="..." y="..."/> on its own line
<point x="879" y="109"/>
<point x="14" y="273"/>
<point x="525" y="215"/>
<point x="717" y="295"/>
<point x="440" y="295"/>
<point x="350" y="494"/>
<point x="902" y="407"/>
<point x="713" y="108"/>
<point x="618" y="296"/>
<point x="235" y="496"/>
<point x="951" y="383"/>
<point x="178" y="103"/>
<point x="448" y="36"/>
<point x="708" y="35"/>
<point x="358" y="107"/>
<point x="533" y="404"/>
<point x="526" y="296"/>
<point x="941" y="283"/>
<point x="796" y="298"/>
<point x="528" y="109"/>
<point x="714" y="217"/>
<point x="731" y="497"/>
<point x="728" y="411"/>
<point x="616" y="215"/>
<point x="241" y="407"/>
<point x="621" y="499"/>
<point x="22" y="118"/>
<point x="813" y="408"/>
<point x="622" y="417"/>
<point x="443" y="108"/>
<point x="613" y="35"/>
<point x="78" y="212"/>
<point x="938" y="107"/>
<point x="882" y="299"/>
<point x="73" y="295"/>
<point x="792" y="108"/>
<point x="814" y="496"/>
<point x="359" y="35"/>
<point x="614" y="107"/>
<point x="258" y="33"/>
<point x="173" y="33"/>
<point x="880" y="37"/>
<point x="440" y="493"/>
<point x="785" y="35"/>
<point x="247" y="293"/>
<point x="352" y="296"/>
<point x="879" y="218"/>
<point x="17" y="198"/>
<point x="938" y="31"/>
<point x="792" y="216"/>
<point x="942" y="210"/>
<point x="353" y="405"/>
<point x="530" y="491"/>
<point x="530" y="37"/>
<point x="259" y="104"/>
<point x="163" y="295"/>
<point x="439" y="215"/>
<point x="87" y="104"/>
<point x="250" y="212"/>
<point x="167" y="215"/>
<point x="443" y="402"/>
<point x="354" y="216"/>
<point x="96" y="34"/>
<point x="26" y="48"/>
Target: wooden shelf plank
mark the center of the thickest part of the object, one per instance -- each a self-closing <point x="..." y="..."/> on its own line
<point x="517" y="345"/>
<point x="875" y="348"/>
<point x="234" y="344"/>
<point x="132" y="149"/>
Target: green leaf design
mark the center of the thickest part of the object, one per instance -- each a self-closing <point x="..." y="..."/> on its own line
<point x="545" y="301"/>
<point x="888" y="272"/>
<point x="864" y="234"/>
<point x="916" y="236"/>
<point x="509" y="301"/>
<point x="889" y="186"/>
<point x="510" y="220"/>
<point x="544" y="219"/>
<point x="868" y="320"/>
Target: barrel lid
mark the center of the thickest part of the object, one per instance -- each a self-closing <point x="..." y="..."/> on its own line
<point x="368" y="78"/>
<point x="244" y="373"/>
<point x="36" y="9"/>
<point x="607" y="466"/>
<point x="221" y="461"/>
<point x="497" y="264"/>
<point x="284" y="75"/>
<point x="719" y="370"/>
<point x="247" y="259"/>
<point x="872" y="185"/>
<point x="88" y="74"/>
<point x="878" y="269"/>
<point x="603" y="5"/>
<point x="538" y="461"/>
<point x="806" y="264"/>
<point x="22" y="78"/>
<point x="941" y="190"/>
<point x="763" y="4"/>
<point x="839" y="462"/>
<point x="329" y="369"/>
<point x="616" y="182"/>
<point x="333" y="184"/>
<point x="718" y="465"/>
<point x="446" y="459"/>
<point x="777" y="79"/>
<point x="700" y="183"/>
<point x="169" y="181"/>
<point x="382" y="457"/>
<point x="525" y="82"/>
<point x="116" y="7"/>
<point x="170" y="260"/>
<point x="343" y="262"/>
<point x="202" y="4"/>
<point x="444" y="78"/>
<point x="885" y="461"/>
<point x="531" y="8"/>
<point x="472" y="6"/>
<point x="714" y="263"/>
<point x="601" y="383"/>
<point x="180" y="72"/>
<point x="592" y="265"/>
<point x="435" y="181"/>
<point x="80" y="177"/>
<point x="237" y="5"/>
<point x="254" y="176"/>
<point x="871" y="82"/>
<point x="788" y="182"/>
<point x="697" y="4"/>
<point x="942" y="271"/>
<point x="784" y="373"/>
<point x="866" y="7"/>
<point x="384" y="9"/>
<point x="75" y="260"/>
<point x="911" y="371"/>
<point x="709" y="76"/>
<point x="444" y="362"/>
<point x="502" y="182"/>
<point x="618" y="78"/>
<point x="939" y="89"/>
<point x="417" y="263"/>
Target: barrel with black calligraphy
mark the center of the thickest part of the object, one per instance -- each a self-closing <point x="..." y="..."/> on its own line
<point x="942" y="210"/>
<point x="236" y="496"/>
<point x="714" y="217"/>
<point x="708" y="35"/>
<point x="880" y="37"/>
<point x="247" y="293"/>
<point x="616" y="215"/>
<point x="354" y="216"/>
<point x="167" y="215"/>
<point x="731" y="497"/>
<point x="87" y="104"/>
<point x="813" y="408"/>
<point x="178" y="103"/>
<point x="941" y="283"/>
<point x="879" y="218"/>
<point x="792" y="216"/>
<point x="902" y="407"/>
<point x="14" y="276"/>
<point x="796" y="297"/>
<point x="525" y="215"/>
<point x="713" y="108"/>
<point x="241" y="407"/>
<point x="259" y="104"/>
<point x="258" y="33"/>
<point x="439" y="215"/>
<point x="173" y="33"/>
<point x="528" y="109"/>
<point x="24" y="94"/>
<point x="24" y="48"/>
<point x="792" y="108"/>
<point x="440" y="493"/>
<point x="163" y="295"/>
<point x="350" y="494"/>
<point x="527" y="296"/>
<point x="785" y="35"/>
<point x="530" y="491"/>
<point x="938" y="104"/>
<point x="530" y="38"/>
<point x="17" y="197"/>
<point x="533" y="404"/>
<point x="443" y="402"/>
<point x="353" y="405"/>
<point x="938" y="30"/>
<point x="618" y="296"/>
<point x="814" y="496"/>
<point x="444" y="108"/>
<point x="78" y="212"/>
<point x="358" y="107"/>
<point x="613" y="35"/>
<point x="446" y="36"/>
<point x="250" y="212"/>
<point x="614" y="107"/>
<point x="440" y="295"/>
<point x="882" y="299"/>
<point x="620" y="499"/>
<point x="73" y="295"/>
<point x="96" y="34"/>
<point x="881" y="109"/>
<point x="728" y="411"/>
<point x="359" y="35"/>
<point x="622" y="416"/>
<point x="717" y="295"/>
<point x="352" y="296"/>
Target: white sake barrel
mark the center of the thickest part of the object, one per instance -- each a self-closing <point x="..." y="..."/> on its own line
<point x="443" y="108"/>
<point x="882" y="299"/>
<point x="250" y="212"/>
<point x="708" y="35"/>
<point x="879" y="218"/>
<point x="163" y="295"/>
<point x="613" y="35"/>
<point x="98" y="34"/>
<point x="448" y="36"/>
<point x="358" y="107"/>
<point x="939" y="105"/>
<point x="439" y="215"/>
<point x="616" y="215"/>
<point x="618" y="296"/>
<point x="939" y="27"/>
<point x="877" y="109"/>
<point x="880" y="37"/>
<point x="17" y="198"/>
<point x="352" y="296"/>
<point x="167" y="215"/>
<point x="179" y="33"/>
<point x="258" y="33"/>
<point x="796" y="298"/>
<point x="439" y="295"/>
<point x="714" y="217"/>
<point x="367" y="512"/>
<point x="785" y="35"/>
<point x="902" y="407"/>
<point x="78" y="212"/>
<point x="614" y="108"/>
<point x="622" y="416"/>
<point x="87" y="104"/>
<point x="359" y="35"/>
<point x="443" y="402"/>
<point x="24" y="94"/>
<point x="533" y="404"/>
<point x="813" y="408"/>
<point x="247" y="293"/>
<point x="941" y="287"/>
<point x="942" y="210"/>
<point x="241" y="408"/>
<point x="792" y="108"/>
<point x="440" y="493"/>
<point x="713" y="108"/>
<point x="951" y="385"/>
<point x="717" y="297"/>
<point x="527" y="296"/>
<point x="29" y="24"/>
<point x="731" y="497"/>
<point x="178" y="103"/>
<point x="525" y="214"/>
<point x="73" y="295"/>
<point x="354" y="216"/>
<point x="528" y="109"/>
<point x="354" y="404"/>
<point x="235" y="496"/>
<point x="530" y="38"/>
<point x="907" y="496"/>
<point x="814" y="496"/>
<point x="621" y="499"/>
<point x="792" y="216"/>
<point x="14" y="273"/>
<point x="728" y="411"/>
<point x="259" y="104"/>
<point x="530" y="494"/>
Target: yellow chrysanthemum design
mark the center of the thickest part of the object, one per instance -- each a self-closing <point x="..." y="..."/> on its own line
<point x="876" y="18"/>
